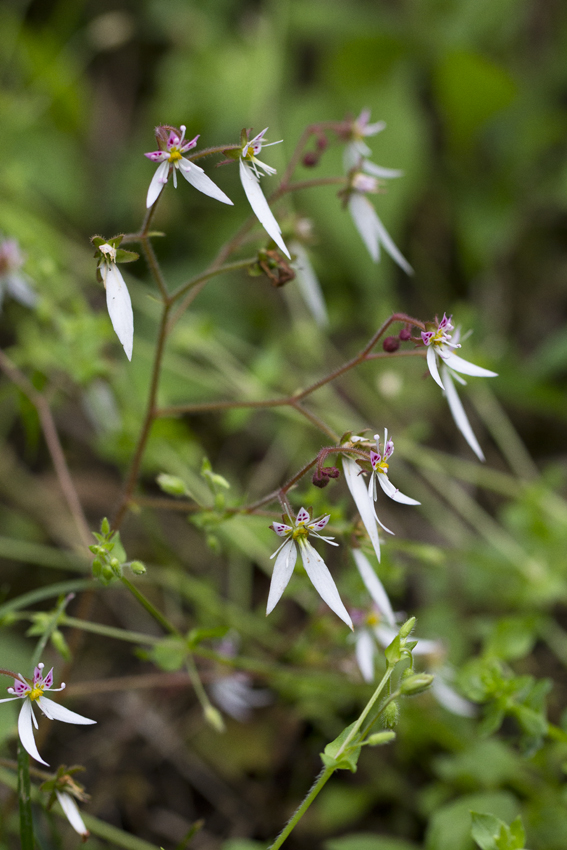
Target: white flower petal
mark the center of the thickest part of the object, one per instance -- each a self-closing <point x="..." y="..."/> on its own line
<point x="364" y="650"/>
<point x="459" y="365"/>
<point x="71" y="812"/>
<point x="364" y="217"/>
<point x="195" y="175"/>
<point x="374" y="587"/>
<point x="25" y="731"/>
<point x="119" y="306"/>
<point x="393" y="493"/>
<point x="54" y="711"/>
<point x="362" y="500"/>
<point x="260" y="207"/>
<point x="322" y="580"/>
<point x="158" y="182"/>
<point x="459" y="415"/>
<point x="19" y="288"/>
<point x="390" y="247"/>
<point x="309" y="285"/>
<point x="379" y="171"/>
<point x="432" y="366"/>
<point x="283" y="568"/>
<point x="451" y="700"/>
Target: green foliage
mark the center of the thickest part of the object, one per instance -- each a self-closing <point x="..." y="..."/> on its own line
<point x="490" y="833"/>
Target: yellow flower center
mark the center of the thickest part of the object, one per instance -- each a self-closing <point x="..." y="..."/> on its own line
<point x="35" y="693"/>
<point x="381" y="467"/>
<point x="300" y="531"/>
<point x="372" y="619"/>
<point x="175" y="155"/>
<point x="438" y="337"/>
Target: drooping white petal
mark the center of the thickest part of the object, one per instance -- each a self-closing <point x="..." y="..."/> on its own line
<point x="25" y="731"/>
<point x="390" y="247"/>
<point x="364" y="650"/>
<point x="283" y="568"/>
<point x="459" y="365"/>
<point x="19" y="288"/>
<point x="459" y="415"/>
<point x="54" y="711"/>
<point x="393" y="493"/>
<point x="432" y="366"/>
<point x="374" y="587"/>
<point x="260" y="207"/>
<point x="322" y="580"/>
<point x="195" y="175"/>
<point x="364" y="217"/>
<point x="451" y="700"/>
<point x="71" y="812"/>
<point x="309" y="285"/>
<point x="379" y="171"/>
<point x="362" y="500"/>
<point x="119" y="306"/>
<point x="158" y="182"/>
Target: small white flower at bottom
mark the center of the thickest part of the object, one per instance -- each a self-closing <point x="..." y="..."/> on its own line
<point x="286" y="557"/>
<point x="31" y="694"/>
<point x="117" y="299"/>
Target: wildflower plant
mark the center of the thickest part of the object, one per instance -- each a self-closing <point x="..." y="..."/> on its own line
<point x="386" y="649"/>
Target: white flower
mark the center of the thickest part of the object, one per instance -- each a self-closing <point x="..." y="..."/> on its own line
<point x="31" y="694"/>
<point x="440" y="352"/>
<point x="366" y="221"/>
<point x="308" y="284"/>
<point x="360" y="130"/>
<point x="12" y="281"/>
<point x="250" y="179"/>
<point x="286" y="556"/>
<point x="72" y="813"/>
<point x="171" y="160"/>
<point x="117" y="298"/>
<point x="364" y="503"/>
<point x="236" y="696"/>
<point x="379" y="463"/>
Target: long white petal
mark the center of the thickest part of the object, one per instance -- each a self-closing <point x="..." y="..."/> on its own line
<point x="25" y="731"/>
<point x="364" y="650"/>
<point x="54" y="711"/>
<point x="119" y="306"/>
<point x="391" y="248"/>
<point x="451" y="700"/>
<point x="195" y="175"/>
<point x="393" y="493"/>
<point x="260" y="207"/>
<point x="378" y="171"/>
<point x="323" y="582"/>
<point x="374" y="587"/>
<point x="71" y="812"/>
<point x="459" y="415"/>
<point x="19" y="288"/>
<point x="459" y="365"/>
<point x="432" y="366"/>
<point x="158" y="182"/>
<point x="309" y="285"/>
<point x="362" y="500"/>
<point x="283" y="568"/>
<point x="364" y="217"/>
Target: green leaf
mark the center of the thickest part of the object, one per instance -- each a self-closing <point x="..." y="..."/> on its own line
<point x="485" y="829"/>
<point x="348" y="758"/>
<point x="169" y="654"/>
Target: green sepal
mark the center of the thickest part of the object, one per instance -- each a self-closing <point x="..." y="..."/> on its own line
<point x="348" y="759"/>
<point x="393" y="652"/>
<point x="123" y="256"/>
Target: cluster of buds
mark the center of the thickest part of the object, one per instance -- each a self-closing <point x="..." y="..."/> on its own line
<point x="322" y="475"/>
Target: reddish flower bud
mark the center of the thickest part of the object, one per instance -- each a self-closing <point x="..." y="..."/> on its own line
<point x="320" y="480"/>
<point x="391" y="344"/>
<point x="405" y="334"/>
<point x="322" y="142"/>
<point x="310" y="159"/>
<point x="332" y="471"/>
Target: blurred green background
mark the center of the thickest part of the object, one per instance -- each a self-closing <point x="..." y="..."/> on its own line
<point x="474" y="94"/>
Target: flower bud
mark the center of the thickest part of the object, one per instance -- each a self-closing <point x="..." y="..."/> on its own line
<point x="416" y="684"/>
<point x="391" y="715"/>
<point x="405" y="334"/>
<point x="381" y="738"/>
<point x="332" y="471"/>
<point x="407" y="627"/>
<point x="320" y="479"/>
<point x="311" y="159"/>
<point x="390" y="344"/>
<point x="214" y="718"/>
<point x="138" y="568"/>
<point x="321" y="142"/>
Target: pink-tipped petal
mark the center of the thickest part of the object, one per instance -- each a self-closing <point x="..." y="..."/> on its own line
<point x="283" y="568"/>
<point x="459" y="415"/>
<point x="54" y="711"/>
<point x="303" y="515"/>
<point x="158" y="182"/>
<point x="362" y="500"/>
<point x="323" y="582"/>
<point x="48" y="680"/>
<point x="157" y="156"/>
<point x="281" y="528"/>
<point x="199" y="180"/>
<point x="320" y="524"/>
<point x="393" y="493"/>
<point x="374" y="587"/>
<point x="25" y="731"/>
<point x="260" y="206"/>
<point x="432" y="366"/>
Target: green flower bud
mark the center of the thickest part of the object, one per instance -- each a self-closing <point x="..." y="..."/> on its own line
<point x="391" y="715"/>
<point x="406" y="628"/>
<point x="138" y="568"/>
<point x="214" y="718"/>
<point x="380" y="738"/>
<point x="416" y="684"/>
